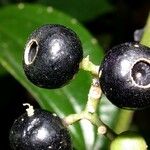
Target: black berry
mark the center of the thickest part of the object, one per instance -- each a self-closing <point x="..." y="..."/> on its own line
<point x="40" y="131"/>
<point x="125" y="76"/>
<point x="52" y="56"/>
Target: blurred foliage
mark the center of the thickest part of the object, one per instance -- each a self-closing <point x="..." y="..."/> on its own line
<point x="82" y="10"/>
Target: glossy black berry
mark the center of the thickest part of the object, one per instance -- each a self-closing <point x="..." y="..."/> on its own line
<point x="40" y="131"/>
<point x="125" y="76"/>
<point x="52" y="56"/>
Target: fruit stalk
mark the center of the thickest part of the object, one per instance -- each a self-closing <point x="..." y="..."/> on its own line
<point x="93" y="96"/>
<point x="87" y="65"/>
<point x="90" y="112"/>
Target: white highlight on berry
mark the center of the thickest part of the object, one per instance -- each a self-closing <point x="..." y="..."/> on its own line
<point x="30" y="110"/>
<point x="136" y="45"/>
<point x="42" y="133"/>
<point x="125" y="64"/>
<point x="31" y="125"/>
<point x="50" y="147"/>
<point x="56" y="45"/>
<point x="54" y="114"/>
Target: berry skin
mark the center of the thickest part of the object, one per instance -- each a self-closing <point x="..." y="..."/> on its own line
<point x="40" y="131"/>
<point x="125" y="76"/>
<point x="52" y="56"/>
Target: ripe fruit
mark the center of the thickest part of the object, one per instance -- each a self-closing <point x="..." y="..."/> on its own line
<point x="125" y="76"/>
<point x="128" y="141"/>
<point x="39" y="131"/>
<point x="52" y="56"/>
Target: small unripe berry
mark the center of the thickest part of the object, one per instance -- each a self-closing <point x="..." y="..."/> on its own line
<point x="128" y="141"/>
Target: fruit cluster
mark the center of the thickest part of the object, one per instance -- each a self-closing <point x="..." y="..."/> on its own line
<point x="51" y="59"/>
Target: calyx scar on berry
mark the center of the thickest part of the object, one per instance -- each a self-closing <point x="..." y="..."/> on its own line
<point x="52" y="56"/>
<point x="125" y="75"/>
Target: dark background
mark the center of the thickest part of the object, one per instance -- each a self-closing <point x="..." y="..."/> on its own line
<point x="110" y="29"/>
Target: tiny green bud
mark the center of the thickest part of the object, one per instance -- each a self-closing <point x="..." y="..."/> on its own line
<point x="128" y="140"/>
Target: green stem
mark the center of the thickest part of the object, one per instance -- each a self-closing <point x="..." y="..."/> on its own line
<point x="90" y="112"/>
<point x="72" y="118"/>
<point x="123" y="124"/>
<point x="87" y="65"/>
<point x="93" y="96"/>
<point x="91" y="107"/>
<point x="146" y="35"/>
<point x="103" y="129"/>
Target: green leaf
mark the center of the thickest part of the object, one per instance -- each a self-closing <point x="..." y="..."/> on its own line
<point x="83" y="10"/>
<point x="2" y="71"/>
<point x="17" y="22"/>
